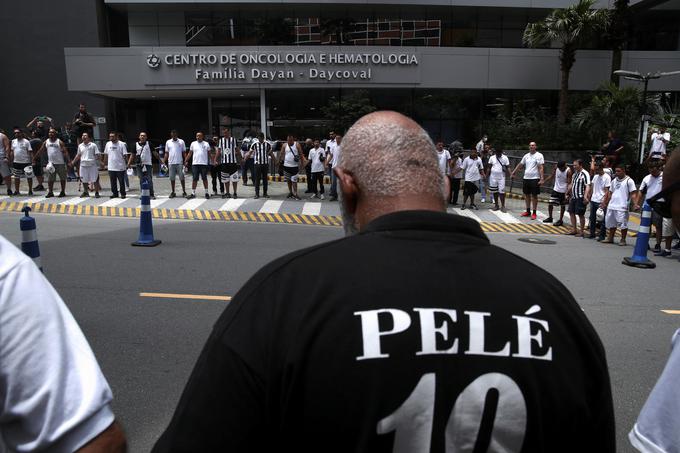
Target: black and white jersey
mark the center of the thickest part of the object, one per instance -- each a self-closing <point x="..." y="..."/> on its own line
<point x="261" y="152"/>
<point x="579" y="183"/>
<point x="362" y="361"/>
<point x="227" y="147"/>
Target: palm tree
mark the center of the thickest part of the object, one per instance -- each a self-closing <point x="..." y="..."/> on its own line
<point x="617" y="35"/>
<point x="570" y="28"/>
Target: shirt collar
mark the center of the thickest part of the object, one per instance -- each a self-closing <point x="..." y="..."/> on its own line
<point x="426" y="221"/>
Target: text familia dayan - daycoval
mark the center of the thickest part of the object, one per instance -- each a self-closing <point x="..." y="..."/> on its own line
<point x="272" y="66"/>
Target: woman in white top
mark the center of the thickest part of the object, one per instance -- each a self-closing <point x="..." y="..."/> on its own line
<point x="88" y="154"/>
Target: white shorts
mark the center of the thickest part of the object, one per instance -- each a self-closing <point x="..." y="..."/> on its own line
<point x="497" y="184"/>
<point x="89" y="174"/>
<point x="616" y="219"/>
<point x="668" y="229"/>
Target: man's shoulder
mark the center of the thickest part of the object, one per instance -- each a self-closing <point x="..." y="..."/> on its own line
<point x="11" y="258"/>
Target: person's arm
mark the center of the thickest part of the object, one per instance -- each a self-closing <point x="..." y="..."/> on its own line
<point x="30" y="124"/>
<point x="38" y="153"/>
<point x="131" y="158"/>
<point x="7" y="146"/>
<point x="111" y="440"/>
<point x="540" y="172"/>
<point x="91" y="123"/>
<point x="481" y="169"/>
<point x="519" y="166"/>
<point x="589" y="191"/>
<point x="188" y="156"/>
<point x="552" y="175"/>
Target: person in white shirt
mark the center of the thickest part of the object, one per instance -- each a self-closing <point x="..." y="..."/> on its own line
<point x="5" y="171"/>
<point x="474" y="171"/>
<point x="116" y="153"/>
<point x="532" y="162"/>
<point x="456" y="173"/>
<point x="601" y="184"/>
<point x="331" y="145"/>
<point x="659" y="141"/>
<point x="480" y="145"/>
<point x="88" y="156"/>
<point x="175" y="152"/>
<point x="21" y="156"/>
<point x="58" y="158"/>
<point x="562" y="176"/>
<point x="143" y="161"/>
<point x="497" y="168"/>
<point x="293" y="158"/>
<point x="317" y="156"/>
<point x="54" y="395"/>
<point x="444" y="160"/>
<point x="650" y="186"/>
<point x="622" y="191"/>
<point x="200" y="155"/>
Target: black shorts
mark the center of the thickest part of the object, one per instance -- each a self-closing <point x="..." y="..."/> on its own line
<point x="531" y="187"/>
<point x="290" y="173"/>
<point x="18" y="169"/>
<point x="557" y="198"/>
<point x="470" y="188"/>
<point x="200" y="171"/>
<point x="657" y="221"/>
<point x="577" y="206"/>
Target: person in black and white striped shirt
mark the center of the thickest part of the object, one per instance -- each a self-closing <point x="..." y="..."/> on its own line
<point x="229" y="159"/>
<point x="261" y="152"/>
<point x="579" y="197"/>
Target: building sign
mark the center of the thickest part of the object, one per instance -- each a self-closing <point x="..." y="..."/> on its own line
<point x="270" y="67"/>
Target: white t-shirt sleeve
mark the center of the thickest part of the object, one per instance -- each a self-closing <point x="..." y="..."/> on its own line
<point x="631" y="185"/>
<point x="540" y="160"/>
<point x="28" y="145"/>
<point x="54" y="396"/>
<point x="607" y="180"/>
<point x="524" y="160"/>
<point x="448" y="155"/>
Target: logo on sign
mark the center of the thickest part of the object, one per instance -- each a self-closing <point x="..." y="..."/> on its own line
<point x="153" y="61"/>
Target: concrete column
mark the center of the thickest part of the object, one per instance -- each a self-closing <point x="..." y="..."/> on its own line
<point x="263" y="113"/>
<point x="210" y="117"/>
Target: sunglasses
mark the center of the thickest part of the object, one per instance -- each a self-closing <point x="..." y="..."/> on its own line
<point x="661" y="202"/>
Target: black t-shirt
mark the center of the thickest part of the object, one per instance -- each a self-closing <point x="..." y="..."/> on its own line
<point x="384" y="349"/>
<point x="80" y="129"/>
<point x="611" y="150"/>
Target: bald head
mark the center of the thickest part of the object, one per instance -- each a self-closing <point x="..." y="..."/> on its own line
<point x="389" y="154"/>
<point x="387" y="164"/>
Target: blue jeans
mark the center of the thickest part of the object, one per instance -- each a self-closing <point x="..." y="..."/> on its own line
<point x="593" y="220"/>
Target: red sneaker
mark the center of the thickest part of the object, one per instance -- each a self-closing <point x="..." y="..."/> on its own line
<point x="533" y="216"/>
<point x="524" y="214"/>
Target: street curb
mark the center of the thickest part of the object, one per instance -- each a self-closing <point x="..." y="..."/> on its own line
<point x="277" y="178"/>
<point x="246" y="216"/>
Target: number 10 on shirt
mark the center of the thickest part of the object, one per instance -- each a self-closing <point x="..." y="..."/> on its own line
<point x="413" y="420"/>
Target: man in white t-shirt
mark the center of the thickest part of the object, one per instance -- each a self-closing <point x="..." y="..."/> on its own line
<point x="5" y="171"/>
<point x="331" y="145"/>
<point x="116" y="152"/>
<point x="54" y="395"/>
<point x="601" y="183"/>
<point x="497" y="168"/>
<point x="650" y="186"/>
<point x="200" y="154"/>
<point x="317" y="157"/>
<point x="473" y="169"/>
<point x="659" y="141"/>
<point x="88" y="155"/>
<point x="21" y="156"/>
<point x="456" y="175"/>
<point x="533" y="178"/>
<point x="175" y="152"/>
<point x="622" y="191"/>
<point x="142" y="159"/>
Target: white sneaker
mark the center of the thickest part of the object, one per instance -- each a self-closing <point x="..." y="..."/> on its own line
<point x="322" y="197"/>
<point x="313" y="196"/>
<point x="483" y="200"/>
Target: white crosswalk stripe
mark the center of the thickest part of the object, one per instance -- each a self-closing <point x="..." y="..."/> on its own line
<point x="113" y="202"/>
<point x="310" y="208"/>
<point x="467" y="213"/>
<point x="271" y="207"/>
<point x="73" y="201"/>
<point x="2" y="197"/>
<point x="158" y="201"/>
<point x="232" y="204"/>
<point x="35" y="200"/>
<point x="192" y="204"/>
<point x="505" y="217"/>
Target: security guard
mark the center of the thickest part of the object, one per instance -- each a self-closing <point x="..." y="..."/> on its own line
<point x="387" y="350"/>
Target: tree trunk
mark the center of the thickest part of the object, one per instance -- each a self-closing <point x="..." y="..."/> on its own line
<point x="567" y="58"/>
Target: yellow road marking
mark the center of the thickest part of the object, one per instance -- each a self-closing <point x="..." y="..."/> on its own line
<point x="671" y="312"/>
<point x="184" y="296"/>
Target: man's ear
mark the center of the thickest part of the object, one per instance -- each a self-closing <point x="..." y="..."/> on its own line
<point x="349" y="188"/>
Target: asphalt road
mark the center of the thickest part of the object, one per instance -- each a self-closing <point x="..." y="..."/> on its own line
<point x="148" y="346"/>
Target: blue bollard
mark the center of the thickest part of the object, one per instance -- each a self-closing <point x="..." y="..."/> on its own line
<point x="639" y="258"/>
<point x="29" y="237"/>
<point x="145" y="226"/>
